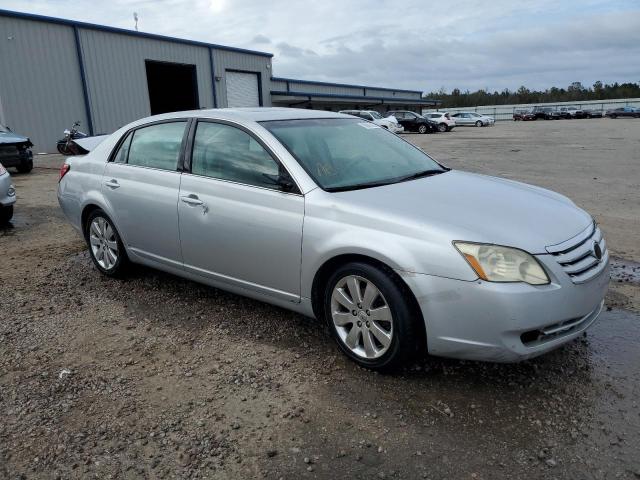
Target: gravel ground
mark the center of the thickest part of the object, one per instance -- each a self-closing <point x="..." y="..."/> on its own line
<point x="158" y="377"/>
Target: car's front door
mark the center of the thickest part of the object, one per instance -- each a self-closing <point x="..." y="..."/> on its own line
<point x="237" y="225"/>
<point x="141" y="183"/>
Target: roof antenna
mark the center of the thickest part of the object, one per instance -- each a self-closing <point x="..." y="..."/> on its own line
<point x="135" y="18"/>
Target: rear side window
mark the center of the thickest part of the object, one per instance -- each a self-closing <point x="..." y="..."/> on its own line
<point x="123" y="151"/>
<point x="228" y="153"/>
<point x="157" y="146"/>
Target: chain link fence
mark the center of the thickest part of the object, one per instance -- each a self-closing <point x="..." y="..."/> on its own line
<point x="505" y="112"/>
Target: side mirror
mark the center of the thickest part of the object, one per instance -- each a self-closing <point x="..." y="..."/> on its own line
<point x="283" y="181"/>
<point x="8" y="128"/>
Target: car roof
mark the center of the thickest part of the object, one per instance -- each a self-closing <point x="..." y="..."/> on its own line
<point x="255" y="114"/>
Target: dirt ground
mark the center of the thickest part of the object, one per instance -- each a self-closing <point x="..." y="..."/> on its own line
<point x="158" y="377"/>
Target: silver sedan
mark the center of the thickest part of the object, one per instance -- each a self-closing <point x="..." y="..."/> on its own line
<point x="338" y="219"/>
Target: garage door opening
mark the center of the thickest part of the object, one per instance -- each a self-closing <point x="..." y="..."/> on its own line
<point x="243" y="89"/>
<point x="172" y="87"/>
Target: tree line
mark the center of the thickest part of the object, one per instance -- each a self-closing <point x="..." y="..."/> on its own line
<point x="573" y="93"/>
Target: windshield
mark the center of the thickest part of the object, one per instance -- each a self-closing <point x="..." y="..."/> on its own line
<point x="376" y="115"/>
<point x="346" y="154"/>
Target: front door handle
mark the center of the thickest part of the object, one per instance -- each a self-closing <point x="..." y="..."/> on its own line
<point x="113" y="183"/>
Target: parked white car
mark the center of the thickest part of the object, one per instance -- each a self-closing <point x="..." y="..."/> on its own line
<point x="390" y="123"/>
<point x="444" y="120"/>
<point x="471" y="119"/>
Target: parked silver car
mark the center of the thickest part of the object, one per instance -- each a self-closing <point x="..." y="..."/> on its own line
<point x="336" y="218"/>
<point x="472" y="119"/>
<point x="7" y="196"/>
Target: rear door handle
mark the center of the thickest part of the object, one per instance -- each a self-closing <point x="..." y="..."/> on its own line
<point x="191" y="200"/>
<point x="194" y="201"/>
<point x="113" y="183"/>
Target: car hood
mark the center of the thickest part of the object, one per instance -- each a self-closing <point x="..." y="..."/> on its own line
<point x="458" y="205"/>
<point x="10" y="137"/>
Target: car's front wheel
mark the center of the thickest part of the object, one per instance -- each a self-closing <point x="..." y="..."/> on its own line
<point x="478" y="123"/>
<point x="105" y="246"/>
<point x="422" y="129"/>
<point x="442" y="127"/>
<point x="6" y="214"/>
<point x="370" y="314"/>
<point x="25" y="167"/>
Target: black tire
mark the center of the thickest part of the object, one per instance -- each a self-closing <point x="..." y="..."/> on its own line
<point x="423" y="129"/>
<point x="25" y="167"/>
<point x="442" y="127"/>
<point x="122" y="263"/>
<point x="64" y="149"/>
<point x="613" y="115"/>
<point x="479" y="123"/>
<point x="6" y="214"/>
<point x="406" y="340"/>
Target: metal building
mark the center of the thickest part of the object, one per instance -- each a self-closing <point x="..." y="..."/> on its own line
<point x="55" y="71"/>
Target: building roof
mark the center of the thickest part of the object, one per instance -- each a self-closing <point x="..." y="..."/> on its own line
<point x="344" y="98"/>
<point x="348" y="85"/>
<point x="124" y="31"/>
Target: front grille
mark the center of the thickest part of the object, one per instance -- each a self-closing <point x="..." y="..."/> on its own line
<point x="8" y="151"/>
<point x="578" y="255"/>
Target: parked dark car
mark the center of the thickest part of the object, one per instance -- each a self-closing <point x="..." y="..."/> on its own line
<point x="523" y="115"/>
<point x="624" y="112"/>
<point x="592" y="114"/>
<point x="15" y="150"/>
<point x="412" y="122"/>
<point x="546" y="113"/>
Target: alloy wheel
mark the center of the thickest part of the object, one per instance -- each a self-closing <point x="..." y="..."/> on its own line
<point x="104" y="244"/>
<point x="362" y="317"/>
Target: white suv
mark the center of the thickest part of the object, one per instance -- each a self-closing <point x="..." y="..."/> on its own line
<point x="390" y="123"/>
<point x="444" y="120"/>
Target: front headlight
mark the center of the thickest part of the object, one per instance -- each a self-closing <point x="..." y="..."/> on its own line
<point x="494" y="263"/>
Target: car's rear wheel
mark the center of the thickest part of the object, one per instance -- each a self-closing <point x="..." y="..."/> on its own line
<point x="105" y="246"/>
<point x="25" y="167"/>
<point x="6" y="214"/>
<point x="370" y="314"/>
<point x="442" y="127"/>
<point x="478" y="123"/>
<point x="613" y="115"/>
<point x="422" y="129"/>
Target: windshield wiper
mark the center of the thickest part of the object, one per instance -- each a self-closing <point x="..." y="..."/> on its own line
<point x="359" y="186"/>
<point x="422" y="174"/>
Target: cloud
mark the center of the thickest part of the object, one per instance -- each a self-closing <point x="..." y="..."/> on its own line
<point x="410" y="44"/>
<point x="260" y="40"/>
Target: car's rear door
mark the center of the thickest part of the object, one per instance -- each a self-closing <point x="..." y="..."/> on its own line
<point x="141" y="183"/>
<point x="237" y="226"/>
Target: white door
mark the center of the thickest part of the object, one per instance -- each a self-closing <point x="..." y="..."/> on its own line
<point x="242" y="89"/>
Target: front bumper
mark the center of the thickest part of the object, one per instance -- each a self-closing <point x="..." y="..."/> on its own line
<point x="7" y="191"/>
<point x="505" y="322"/>
<point x="13" y="156"/>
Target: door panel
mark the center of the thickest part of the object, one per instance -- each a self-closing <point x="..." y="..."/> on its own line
<point x="144" y="202"/>
<point x="244" y="235"/>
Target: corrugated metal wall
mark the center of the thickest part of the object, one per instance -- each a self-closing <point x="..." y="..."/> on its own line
<point x="226" y="60"/>
<point x="330" y="89"/>
<point x="117" y="80"/>
<point x="40" y="85"/>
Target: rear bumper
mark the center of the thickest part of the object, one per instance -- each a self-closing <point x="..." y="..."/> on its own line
<point x="505" y="322"/>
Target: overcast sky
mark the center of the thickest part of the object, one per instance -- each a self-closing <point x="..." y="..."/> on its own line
<point x="415" y="44"/>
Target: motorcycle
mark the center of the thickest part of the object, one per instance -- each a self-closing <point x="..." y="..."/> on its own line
<point x="66" y="145"/>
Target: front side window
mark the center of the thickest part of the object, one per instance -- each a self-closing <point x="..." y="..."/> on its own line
<point x="228" y="153"/>
<point x="344" y="154"/>
<point x="157" y="146"/>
